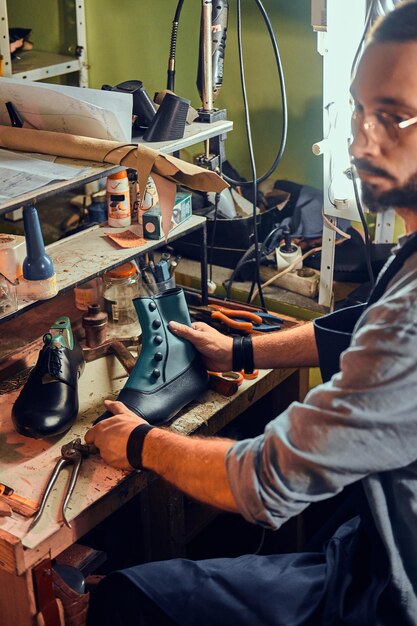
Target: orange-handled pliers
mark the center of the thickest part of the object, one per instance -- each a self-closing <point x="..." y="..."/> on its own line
<point x="259" y="321"/>
<point x="241" y="319"/>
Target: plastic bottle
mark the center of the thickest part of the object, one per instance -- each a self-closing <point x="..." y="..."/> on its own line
<point x="118" y="200"/>
<point x="38" y="268"/>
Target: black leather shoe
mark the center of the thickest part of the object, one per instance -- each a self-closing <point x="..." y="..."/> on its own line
<point x="48" y="403"/>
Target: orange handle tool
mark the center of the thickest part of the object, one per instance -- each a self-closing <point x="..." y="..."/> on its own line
<point x="246" y="315"/>
<point x="221" y="317"/>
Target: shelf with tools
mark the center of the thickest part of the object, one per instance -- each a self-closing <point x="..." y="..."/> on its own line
<point x="194" y="133"/>
<point x="40" y="65"/>
<point x="92" y="171"/>
<point x="88" y="254"/>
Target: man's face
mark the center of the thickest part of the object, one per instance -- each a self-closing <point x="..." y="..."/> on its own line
<point x="384" y="92"/>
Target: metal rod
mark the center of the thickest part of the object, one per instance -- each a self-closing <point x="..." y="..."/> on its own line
<point x="206" y="13"/>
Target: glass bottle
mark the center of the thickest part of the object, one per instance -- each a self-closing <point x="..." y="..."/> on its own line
<point x="121" y="286"/>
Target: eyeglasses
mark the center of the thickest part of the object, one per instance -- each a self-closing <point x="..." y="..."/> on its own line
<point x="384" y="127"/>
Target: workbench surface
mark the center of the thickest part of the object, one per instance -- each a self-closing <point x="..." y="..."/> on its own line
<point x="25" y="463"/>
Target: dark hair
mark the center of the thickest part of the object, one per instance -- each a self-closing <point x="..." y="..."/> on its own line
<point x="398" y="25"/>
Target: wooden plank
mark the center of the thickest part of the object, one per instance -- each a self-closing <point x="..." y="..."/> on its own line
<point x="212" y="412"/>
<point x="63" y="537"/>
<point x="17" y="602"/>
<point x="87" y="254"/>
<point x="11" y="553"/>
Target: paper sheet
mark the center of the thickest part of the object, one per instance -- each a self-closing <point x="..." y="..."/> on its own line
<point x="73" y="110"/>
<point x="20" y="173"/>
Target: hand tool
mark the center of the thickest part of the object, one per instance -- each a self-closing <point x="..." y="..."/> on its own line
<point x="265" y="317"/>
<point x="227" y="383"/>
<point x="162" y="272"/>
<point x="238" y="377"/>
<point x="72" y="453"/>
<point x="236" y="319"/>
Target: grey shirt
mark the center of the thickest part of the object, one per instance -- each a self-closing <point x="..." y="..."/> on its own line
<point x="362" y="425"/>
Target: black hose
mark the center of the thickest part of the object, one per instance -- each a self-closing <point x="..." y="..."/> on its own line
<point x="173" y="47"/>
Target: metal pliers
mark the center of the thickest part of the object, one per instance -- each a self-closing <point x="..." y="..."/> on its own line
<point x="235" y="319"/>
<point x="71" y="453"/>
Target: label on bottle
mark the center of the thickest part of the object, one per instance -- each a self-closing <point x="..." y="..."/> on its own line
<point x="86" y="294"/>
<point x="112" y="309"/>
<point x="118" y="202"/>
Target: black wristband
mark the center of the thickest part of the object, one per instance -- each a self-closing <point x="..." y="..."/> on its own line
<point x="135" y="444"/>
<point x="248" y="364"/>
<point x="237" y="354"/>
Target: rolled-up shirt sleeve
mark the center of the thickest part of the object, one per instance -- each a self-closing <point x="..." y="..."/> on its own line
<point x="363" y="421"/>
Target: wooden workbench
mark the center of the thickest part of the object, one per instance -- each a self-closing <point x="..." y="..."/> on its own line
<point x="25" y="465"/>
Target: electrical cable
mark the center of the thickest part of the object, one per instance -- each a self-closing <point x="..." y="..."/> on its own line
<point x="254" y="182"/>
<point x="293" y="265"/>
<point x="336" y="229"/>
<point x="261" y="542"/>
<point x="376" y="8"/>
<point x="173" y="47"/>
<point x="213" y="234"/>
<point x="368" y="20"/>
<point x="365" y="230"/>
<point x="284" y="128"/>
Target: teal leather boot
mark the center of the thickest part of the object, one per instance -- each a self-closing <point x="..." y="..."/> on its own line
<point x="168" y="373"/>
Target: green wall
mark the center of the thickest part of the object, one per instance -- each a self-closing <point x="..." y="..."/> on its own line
<point x="129" y="39"/>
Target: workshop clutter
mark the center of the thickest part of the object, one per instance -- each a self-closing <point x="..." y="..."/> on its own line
<point x="288" y="209"/>
<point x="26" y="270"/>
<point x="169" y="372"/>
<point x="48" y="403"/>
<point x="152" y="218"/>
<point x="12" y="254"/>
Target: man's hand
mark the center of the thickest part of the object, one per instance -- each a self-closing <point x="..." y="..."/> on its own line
<point x="215" y="348"/>
<point x="110" y="436"/>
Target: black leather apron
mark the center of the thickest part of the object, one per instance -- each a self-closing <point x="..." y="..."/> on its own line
<point x="333" y="332"/>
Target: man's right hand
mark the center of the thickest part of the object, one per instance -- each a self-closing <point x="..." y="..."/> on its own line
<point x="215" y="348"/>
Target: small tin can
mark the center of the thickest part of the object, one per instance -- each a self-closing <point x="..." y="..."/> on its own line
<point x="95" y="323"/>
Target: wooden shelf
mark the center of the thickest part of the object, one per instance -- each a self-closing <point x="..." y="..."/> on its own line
<point x="38" y="65"/>
<point x="89" y="253"/>
<point x="195" y="133"/>
<point x="92" y="172"/>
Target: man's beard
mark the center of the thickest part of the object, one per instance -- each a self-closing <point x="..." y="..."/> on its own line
<point x="400" y="198"/>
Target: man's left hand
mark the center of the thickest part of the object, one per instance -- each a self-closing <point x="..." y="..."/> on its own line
<point x="110" y="436"/>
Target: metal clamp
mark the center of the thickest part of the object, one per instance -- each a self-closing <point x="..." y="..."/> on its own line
<point x="71" y="453"/>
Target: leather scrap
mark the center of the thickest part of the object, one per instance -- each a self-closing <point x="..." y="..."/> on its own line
<point x="75" y="604"/>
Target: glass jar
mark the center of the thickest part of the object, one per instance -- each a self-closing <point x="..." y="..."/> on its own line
<point x="88" y="293"/>
<point x="121" y="286"/>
